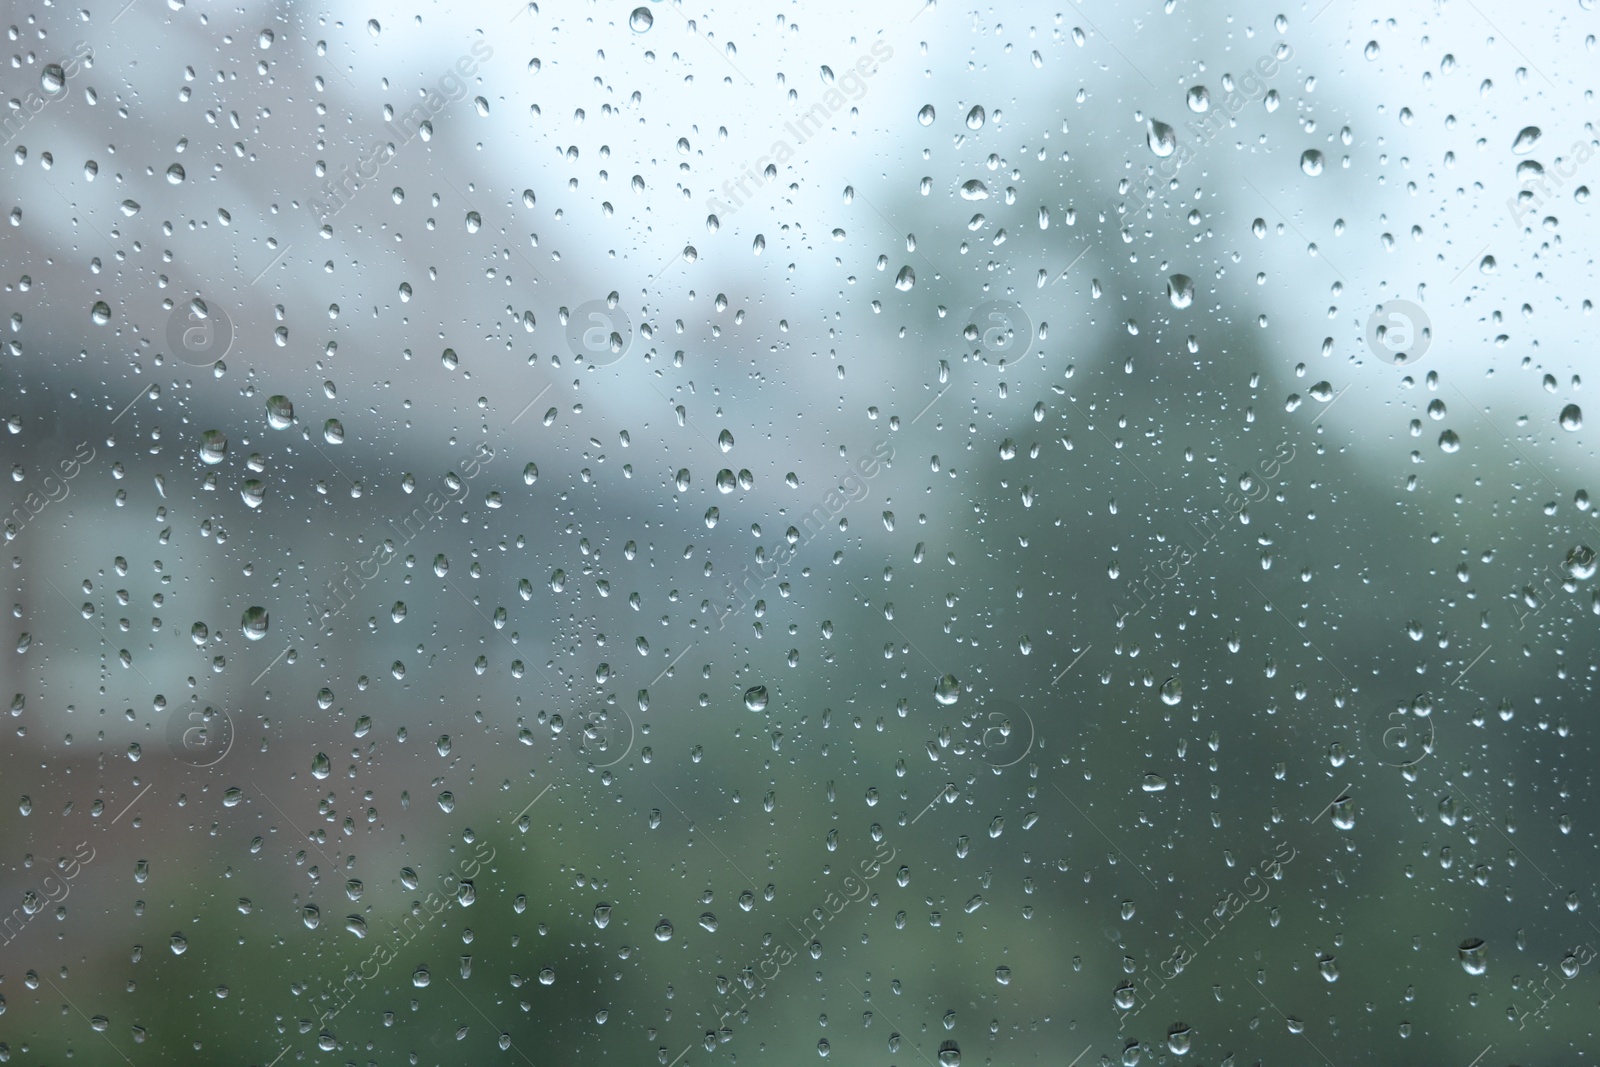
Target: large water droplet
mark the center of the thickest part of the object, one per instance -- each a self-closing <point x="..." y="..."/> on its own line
<point x="641" y="20"/>
<point x="280" y="412"/>
<point x="1474" y="956"/>
<point x="213" y="447"/>
<point x="1178" y="1039"/>
<point x="1311" y="162"/>
<point x="1572" y="417"/>
<point x="947" y="690"/>
<point x="1526" y="139"/>
<point x="1343" y="813"/>
<point x="1180" y="290"/>
<point x="1161" y="138"/>
<point x="926" y="115"/>
<point x="254" y="623"/>
<point x="755" y="698"/>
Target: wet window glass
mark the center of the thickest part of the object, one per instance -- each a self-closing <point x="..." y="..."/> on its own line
<point x="660" y="532"/>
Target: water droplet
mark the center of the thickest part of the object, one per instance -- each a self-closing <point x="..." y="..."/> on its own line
<point x="755" y="698"/>
<point x="1161" y="138"/>
<point x="1343" y="813"/>
<point x="1311" y="162"/>
<point x="333" y="432"/>
<point x="1199" y="99"/>
<point x="1180" y="290"/>
<point x="1449" y="442"/>
<point x="947" y="690"/>
<point x="641" y="20"/>
<point x="974" y="190"/>
<point x="905" y="280"/>
<point x="1474" y="956"/>
<point x="1526" y="139"/>
<point x="52" y="79"/>
<point x="321" y="766"/>
<point x="280" y="412"/>
<point x="949" y="1054"/>
<point x="1572" y="417"/>
<point x="175" y="174"/>
<point x="975" y="118"/>
<point x="254" y="623"/>
<point x="1178" y="1039"/>
<point x="1172" y="691"/>
<point x="663" y="931"/>
<point x="926" y="115"/>
<point x="213" y="447"/>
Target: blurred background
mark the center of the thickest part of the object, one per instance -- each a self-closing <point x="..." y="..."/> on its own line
<point x="702" y="534"/>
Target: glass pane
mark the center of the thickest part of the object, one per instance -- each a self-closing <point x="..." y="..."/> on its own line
<point x="896" y="533"/>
